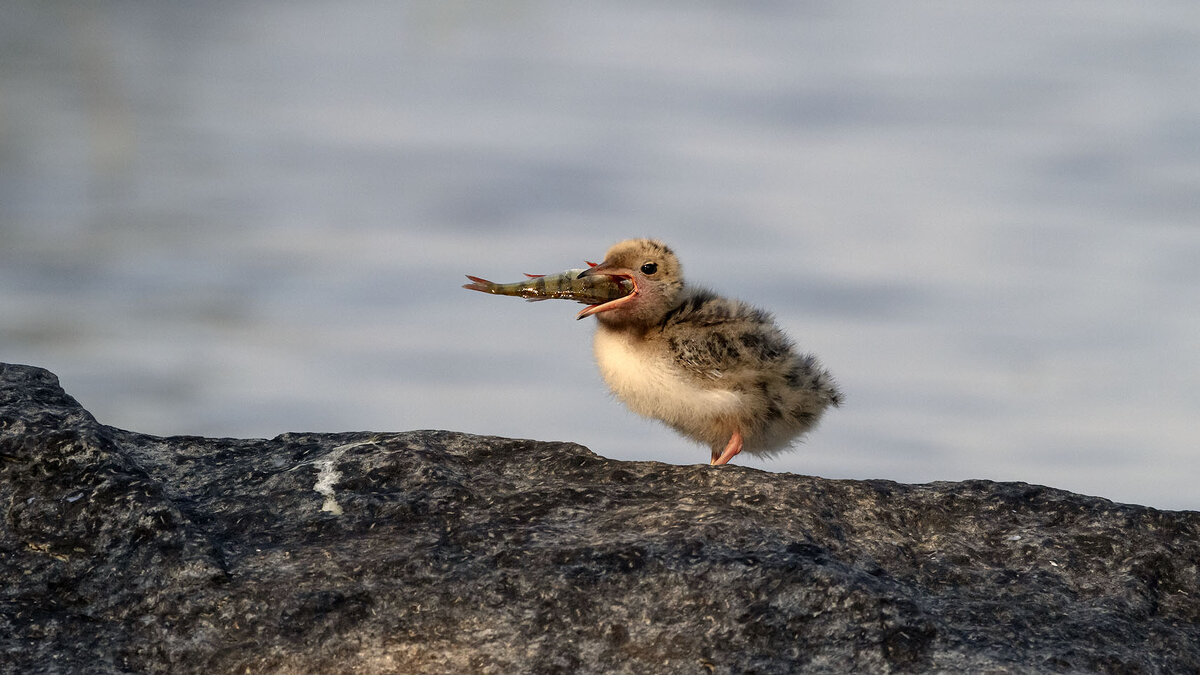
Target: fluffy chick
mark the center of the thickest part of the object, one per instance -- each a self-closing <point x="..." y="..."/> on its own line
<point x="716" y="370"/>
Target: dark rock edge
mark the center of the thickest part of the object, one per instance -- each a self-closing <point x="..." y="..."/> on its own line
<point x="433" y="551"/>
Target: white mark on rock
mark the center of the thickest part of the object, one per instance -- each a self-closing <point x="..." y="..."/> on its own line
<point x="327" y="477"/>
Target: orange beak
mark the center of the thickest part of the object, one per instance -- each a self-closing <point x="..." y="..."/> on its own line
<point x="607" y="269"/>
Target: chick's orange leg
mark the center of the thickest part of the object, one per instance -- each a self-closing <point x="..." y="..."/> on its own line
<point x="733" y="447"/>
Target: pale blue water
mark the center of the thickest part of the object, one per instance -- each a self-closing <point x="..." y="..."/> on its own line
<point x="984" y="217"/>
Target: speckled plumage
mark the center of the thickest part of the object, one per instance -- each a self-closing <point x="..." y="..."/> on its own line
<point x="716" y="370"/>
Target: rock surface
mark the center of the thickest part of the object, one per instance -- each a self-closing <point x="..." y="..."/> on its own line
<point x="442" y="552"/>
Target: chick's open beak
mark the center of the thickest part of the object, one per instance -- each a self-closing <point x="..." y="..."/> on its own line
<point x="607" y="269"/>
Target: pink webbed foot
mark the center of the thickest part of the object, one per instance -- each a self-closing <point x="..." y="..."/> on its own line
<point x="733" y="447"/>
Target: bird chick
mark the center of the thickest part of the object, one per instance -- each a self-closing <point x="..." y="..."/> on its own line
<point x="714" y="369"/>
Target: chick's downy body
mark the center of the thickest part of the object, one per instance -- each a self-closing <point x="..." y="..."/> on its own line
<point x="714" y="369"/>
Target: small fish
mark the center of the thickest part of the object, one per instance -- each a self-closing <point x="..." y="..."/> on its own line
<point x="568" y="285"/>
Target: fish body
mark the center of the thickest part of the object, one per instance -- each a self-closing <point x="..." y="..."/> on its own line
<point x="568" y="285"/>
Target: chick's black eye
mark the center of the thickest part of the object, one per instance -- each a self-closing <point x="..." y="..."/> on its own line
<point x="649" y="268"/>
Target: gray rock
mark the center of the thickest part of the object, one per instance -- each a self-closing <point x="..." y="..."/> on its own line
<point x="441" y="552"/>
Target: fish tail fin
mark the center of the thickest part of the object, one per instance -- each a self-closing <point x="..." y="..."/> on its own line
<point x="479" y="284"/>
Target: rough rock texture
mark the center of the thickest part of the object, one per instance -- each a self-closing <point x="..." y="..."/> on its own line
<point x="442" y="552"/>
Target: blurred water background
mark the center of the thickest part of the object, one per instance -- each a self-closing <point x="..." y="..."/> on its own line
<point x="241" y="219"/>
